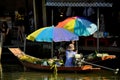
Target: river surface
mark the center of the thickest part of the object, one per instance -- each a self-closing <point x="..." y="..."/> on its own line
<point x="13" y="72"/>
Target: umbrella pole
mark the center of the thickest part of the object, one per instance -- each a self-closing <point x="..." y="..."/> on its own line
<point x="77" y="46"/>
<point x="98" y="29"/>
<point x="52" y="50"/>
<point x="25" y="43"/>
<point x="52" y="17"/>
<point x="52" y="41"/>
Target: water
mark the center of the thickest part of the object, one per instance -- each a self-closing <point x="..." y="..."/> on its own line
<point x="50" y="76"/>
<point x="59" y="76"/>
<point x="13" y="72"/>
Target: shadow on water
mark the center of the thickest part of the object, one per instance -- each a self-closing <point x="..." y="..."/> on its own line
<point x="13" y="72"/>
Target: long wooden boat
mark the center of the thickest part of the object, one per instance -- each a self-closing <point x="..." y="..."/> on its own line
<point x="40" y="64"/>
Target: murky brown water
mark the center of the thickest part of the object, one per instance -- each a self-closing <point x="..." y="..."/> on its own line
<point x="11" y="73"/>
<point x="59" y="76"/>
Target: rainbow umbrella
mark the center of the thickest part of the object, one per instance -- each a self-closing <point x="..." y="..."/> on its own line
<point x="50" y="34"/>
<point x="78" y="25"/>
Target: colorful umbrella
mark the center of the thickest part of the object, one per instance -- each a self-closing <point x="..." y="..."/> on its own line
<point x="78" y="25"/>
<point x="50" y="34"/>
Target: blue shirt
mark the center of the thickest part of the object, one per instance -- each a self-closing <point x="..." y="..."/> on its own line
<point x="69" y="58"/>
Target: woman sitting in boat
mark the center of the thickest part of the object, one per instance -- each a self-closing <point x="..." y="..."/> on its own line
<point x="70" y="53"/>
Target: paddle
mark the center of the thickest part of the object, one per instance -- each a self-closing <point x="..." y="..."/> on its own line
<point x="115" y="70"/>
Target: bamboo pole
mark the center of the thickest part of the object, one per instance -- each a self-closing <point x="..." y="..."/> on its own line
<point x="25" y="43"/>
<point x="44" y="13"/>
<point x="1" y="74"/>
<point x="35" y="19"/>
<point x="1" y="42"/>
<point x="52" y="50"/>
<point x="98" y="29"/>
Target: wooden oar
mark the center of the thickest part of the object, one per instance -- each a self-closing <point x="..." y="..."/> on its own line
<point x="115" y="70"/>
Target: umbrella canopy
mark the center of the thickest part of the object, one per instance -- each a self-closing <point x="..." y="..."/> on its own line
<point x="78" y="25"/>
<point x="50" y="34"/>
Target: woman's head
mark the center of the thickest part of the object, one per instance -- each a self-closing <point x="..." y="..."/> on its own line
<point x="72" y="42"/>
<point x="70" y="47"/>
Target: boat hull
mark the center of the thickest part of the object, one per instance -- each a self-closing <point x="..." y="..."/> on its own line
<point x="38" y="67"/>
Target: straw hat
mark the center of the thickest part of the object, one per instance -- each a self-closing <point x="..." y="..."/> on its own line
<point x="70" y="47"/>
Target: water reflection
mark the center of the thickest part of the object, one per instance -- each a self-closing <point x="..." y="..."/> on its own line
<point x="13" y="72"/>
<point x="59" y="76"/>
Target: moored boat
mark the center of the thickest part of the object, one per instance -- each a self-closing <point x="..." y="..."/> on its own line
<point x="47" y="64"/>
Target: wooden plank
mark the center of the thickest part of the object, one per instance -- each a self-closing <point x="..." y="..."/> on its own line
<point x="16" y="51"/>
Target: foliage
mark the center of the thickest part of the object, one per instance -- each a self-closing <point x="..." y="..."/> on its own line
<point x="44" y="62"/>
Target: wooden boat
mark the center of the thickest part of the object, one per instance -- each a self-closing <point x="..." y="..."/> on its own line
<point x="40" y="64"/>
